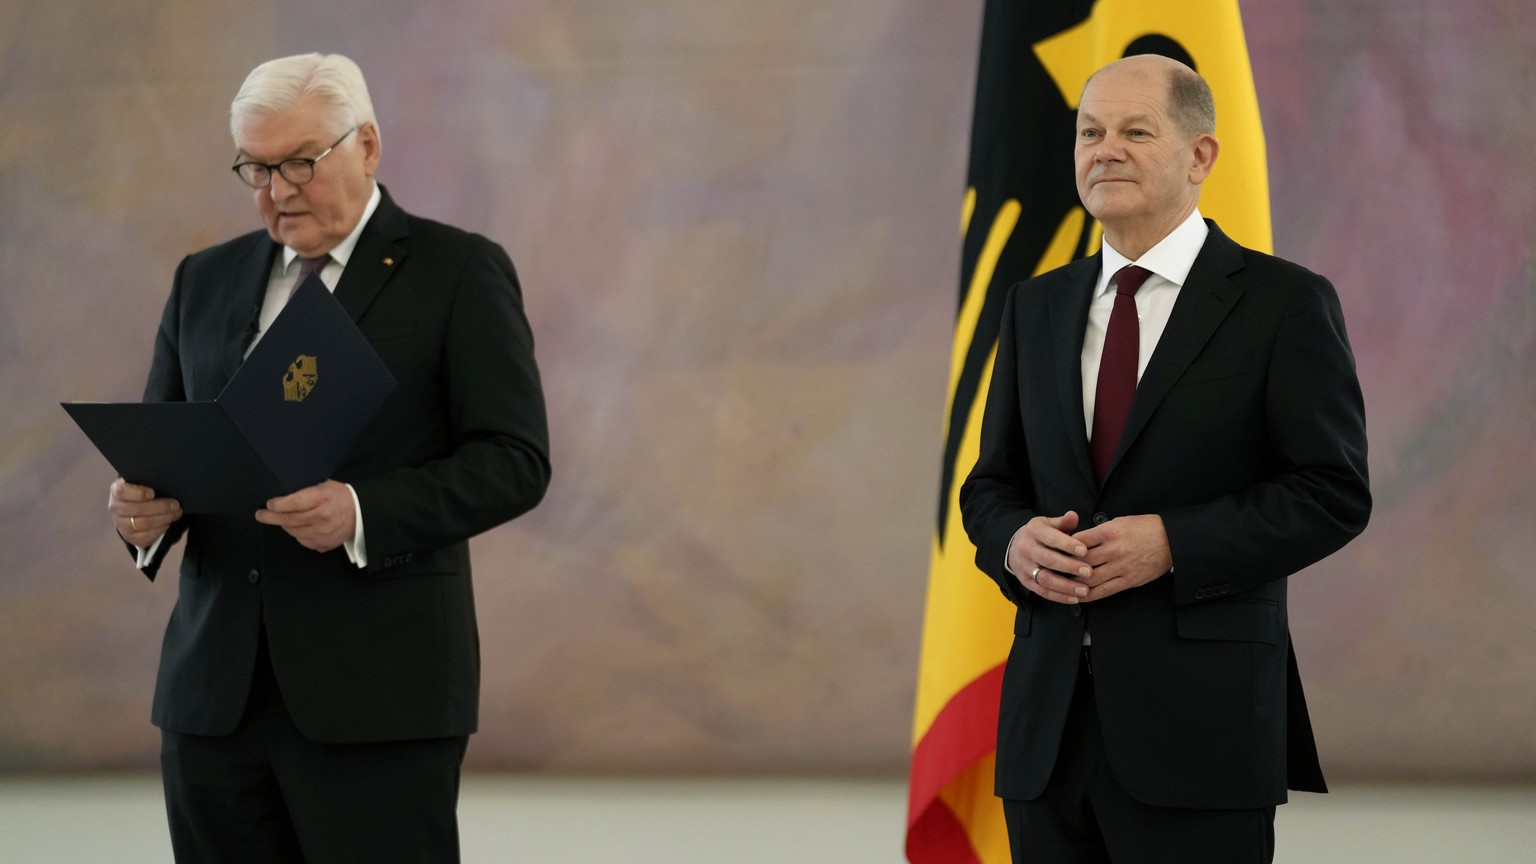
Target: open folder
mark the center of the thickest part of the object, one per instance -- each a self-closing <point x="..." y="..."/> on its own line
<point x="283" y="422"/>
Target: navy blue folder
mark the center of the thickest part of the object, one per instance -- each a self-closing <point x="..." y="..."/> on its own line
<point x="283" y="422"/>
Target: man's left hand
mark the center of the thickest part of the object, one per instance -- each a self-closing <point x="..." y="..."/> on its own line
<point x="320" y="518"/>
<point x="1124" y="553"/>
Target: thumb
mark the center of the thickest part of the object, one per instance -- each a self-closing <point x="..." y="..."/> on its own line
<point x="1066" y="521"/>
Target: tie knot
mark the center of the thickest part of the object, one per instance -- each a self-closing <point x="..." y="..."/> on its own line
<point x="312" y="265"/>
<point x="1129" y="278"/>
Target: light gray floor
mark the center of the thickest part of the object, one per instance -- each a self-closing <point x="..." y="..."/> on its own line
<point x="745" y="821"/>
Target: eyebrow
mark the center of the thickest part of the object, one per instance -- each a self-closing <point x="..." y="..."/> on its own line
<point x="1139" y="119"/>
<point x="310" y="144"/>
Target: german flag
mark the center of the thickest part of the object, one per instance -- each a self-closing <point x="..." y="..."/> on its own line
<point x="1021" y="217"/>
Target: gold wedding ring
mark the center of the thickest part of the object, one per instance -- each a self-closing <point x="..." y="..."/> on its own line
<point x="135" y="526"/>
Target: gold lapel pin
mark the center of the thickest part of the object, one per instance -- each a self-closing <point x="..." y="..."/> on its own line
<point x="389" y="262"/>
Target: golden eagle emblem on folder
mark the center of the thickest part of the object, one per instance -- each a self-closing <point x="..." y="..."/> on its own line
<point x="300" y="379"/>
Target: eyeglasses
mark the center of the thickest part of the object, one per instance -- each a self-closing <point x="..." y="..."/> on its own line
<point x="298" y="171"/>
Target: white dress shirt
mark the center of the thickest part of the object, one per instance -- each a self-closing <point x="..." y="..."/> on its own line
<point x="279" y="286"/>
<point x="1169" y="262"/>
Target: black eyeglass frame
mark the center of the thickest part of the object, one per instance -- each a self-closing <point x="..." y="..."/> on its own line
<point x="282" y="167"/>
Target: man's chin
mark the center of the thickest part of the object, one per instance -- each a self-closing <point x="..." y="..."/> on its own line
<point x="298" y="241"/>
<point x="1107" y="207"/>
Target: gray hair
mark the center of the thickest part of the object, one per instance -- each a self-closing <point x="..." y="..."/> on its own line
<point x="1190" y="101"/>
<point x="277" y="85"/>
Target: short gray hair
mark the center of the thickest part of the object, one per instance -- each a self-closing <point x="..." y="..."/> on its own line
<point x="277" y="85"/>
<point x="1190" y="101"/>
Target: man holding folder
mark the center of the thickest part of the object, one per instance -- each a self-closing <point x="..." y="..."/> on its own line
<point x="319" y="676"/>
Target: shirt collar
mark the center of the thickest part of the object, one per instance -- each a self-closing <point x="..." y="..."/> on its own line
<point x="343" y="250"/>
<point x="1171" y="258"/>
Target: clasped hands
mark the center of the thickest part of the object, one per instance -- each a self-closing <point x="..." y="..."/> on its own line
<point x="320" y="517"/>
<point x="1063" y="567"/>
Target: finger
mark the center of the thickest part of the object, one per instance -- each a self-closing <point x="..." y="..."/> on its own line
<point x="122" y="490"/>
<point x="1065" y="522"/>
<point x="143" y="538"/>
<point x="1057" y="544"/>
<point x="1066" y="565"/>
<point x="151" y="519"/>
<point x="141" y="524"/>
<point x="289" y="521"/>
<point x="1108" y="588"/>
<point x="1098" y="534"/>
<point x="1034" y="555"/>
<point x="1051" y="586"/>
<point x="1056" y="558"/>
<point x="169" y="507"/>
<point x="150" y="523"/>
<point x="1056" y="539"/>
<point x="288" y="503"/>
<point x="297" y="511"/>
<point x="1046" y="593"/>
<point x="1106" y="559"/>
<point x="1052" y="582"/>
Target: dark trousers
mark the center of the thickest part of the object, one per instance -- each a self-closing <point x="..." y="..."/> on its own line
<point x="1084" y="817"/>
<point x="267" y="795"/>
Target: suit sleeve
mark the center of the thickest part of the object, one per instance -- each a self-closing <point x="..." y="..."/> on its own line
<point x="997" y="498"/>
<point x="166" y="384"/>
<point x="499" y="465"/>
<point x="1318" y="496"/>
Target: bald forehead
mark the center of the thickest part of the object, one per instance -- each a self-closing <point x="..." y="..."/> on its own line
<point x="1138" y="75"/>
<point x="1152" y="65"/>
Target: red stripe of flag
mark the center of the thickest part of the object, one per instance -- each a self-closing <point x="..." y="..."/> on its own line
<point x="963" y="733"/>
<point x="938" y="838"/>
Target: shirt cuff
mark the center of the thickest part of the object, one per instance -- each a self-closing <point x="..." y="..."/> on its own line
<point x="1008" y="553"/>
<point x="356" y="549"/>
<point x="147" y="556"/>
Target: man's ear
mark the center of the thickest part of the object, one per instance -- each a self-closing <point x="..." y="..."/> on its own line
<point x="1204" y="153"/>
<point x="368" y="137"/>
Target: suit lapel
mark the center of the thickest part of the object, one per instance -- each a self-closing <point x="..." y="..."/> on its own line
<point x="1206" y="299"/>
<point x="1069" y="318"/>
<point x="380" y="250"/>
<point x="247" y="290"/>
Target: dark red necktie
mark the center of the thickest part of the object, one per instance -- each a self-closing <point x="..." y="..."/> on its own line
<point x="1117" y="370"/>
<point x="306" y="267"/>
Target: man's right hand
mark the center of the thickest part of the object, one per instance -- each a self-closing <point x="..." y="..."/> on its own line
<point x="140" y="517"/>
<point x="1048" y="560"/>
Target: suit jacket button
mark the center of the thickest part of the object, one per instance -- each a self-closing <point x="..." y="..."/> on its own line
<point x="254" y="576"/>
<point x="1077" y="611"/>
<point x="1100" y="518"/>
<point x="1199" y="593"/>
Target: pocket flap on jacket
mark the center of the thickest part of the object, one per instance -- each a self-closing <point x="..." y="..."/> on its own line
<point x="1235" y="620"/>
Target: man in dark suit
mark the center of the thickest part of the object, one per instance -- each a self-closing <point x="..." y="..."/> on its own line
<point x="1158" y="454"/>
<point x="319" y="676"/>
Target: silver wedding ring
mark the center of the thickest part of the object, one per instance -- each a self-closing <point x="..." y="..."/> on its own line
<point x="1034" y="575"/>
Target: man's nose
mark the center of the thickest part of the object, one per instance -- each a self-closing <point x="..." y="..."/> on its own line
<point x="281" y="188"/>
<point x="1110" y="149"/>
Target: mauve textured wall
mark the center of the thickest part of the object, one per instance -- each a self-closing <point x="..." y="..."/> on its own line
<point x="737" y="227"/>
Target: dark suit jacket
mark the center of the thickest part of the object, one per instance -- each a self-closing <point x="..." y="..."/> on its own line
<point x="1247" y="436"/>
<point x="390" y="652"/>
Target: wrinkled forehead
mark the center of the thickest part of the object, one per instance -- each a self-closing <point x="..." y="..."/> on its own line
<point x="1112" y="94"/>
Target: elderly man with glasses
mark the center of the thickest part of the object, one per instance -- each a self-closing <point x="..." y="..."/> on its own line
<point x="319" y="675"/>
